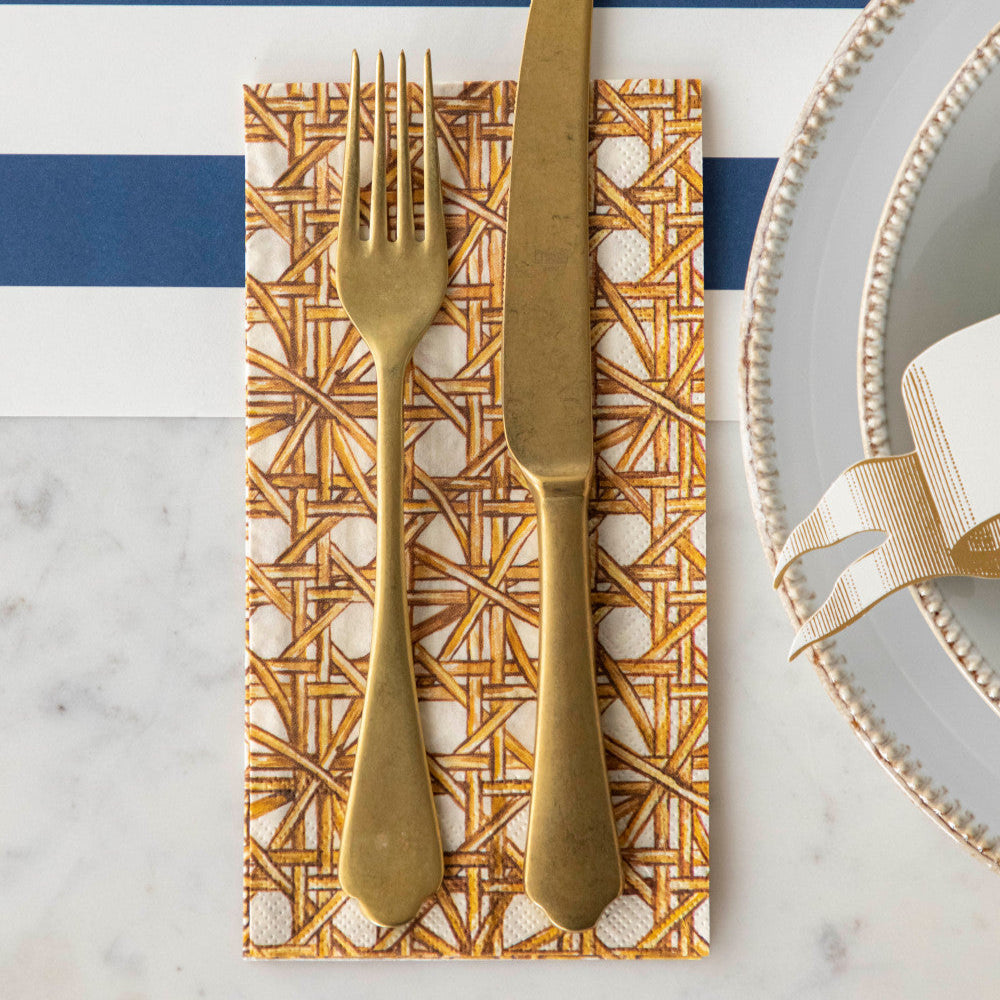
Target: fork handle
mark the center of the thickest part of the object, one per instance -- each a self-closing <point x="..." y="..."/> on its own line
<point x="390" y="853"/>
<point x="572" y="869"/>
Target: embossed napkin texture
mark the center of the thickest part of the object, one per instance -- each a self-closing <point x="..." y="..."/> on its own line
<point x="470" y="529"/>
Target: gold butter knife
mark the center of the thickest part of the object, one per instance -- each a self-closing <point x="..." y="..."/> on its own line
<point x="572" y="868"/>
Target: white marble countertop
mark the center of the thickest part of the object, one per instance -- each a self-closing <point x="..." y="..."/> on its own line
<point x="121" y="619"/>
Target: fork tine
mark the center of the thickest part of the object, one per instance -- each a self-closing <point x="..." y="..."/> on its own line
<point x="349" y="194"/>
<point x="433" y="209"/>
<point x="404" y="184"/>
<point x="378" y="209"/>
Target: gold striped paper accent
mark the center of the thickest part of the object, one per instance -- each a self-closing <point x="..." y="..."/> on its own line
<point x="939" y="505"/>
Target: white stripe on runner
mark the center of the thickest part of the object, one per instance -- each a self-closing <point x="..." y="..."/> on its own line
<point x="127" y="80"/>
<point x="178" y="352"/>
<point x="122" y="352"/>
<point x="722" y="353"/>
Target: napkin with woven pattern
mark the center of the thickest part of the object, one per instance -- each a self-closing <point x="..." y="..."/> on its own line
<point x="470" y="535"/>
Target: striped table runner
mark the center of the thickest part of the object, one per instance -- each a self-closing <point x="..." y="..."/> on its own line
<point x="121" y="170"/>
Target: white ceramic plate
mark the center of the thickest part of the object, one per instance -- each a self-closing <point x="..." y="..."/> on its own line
<point x="934" y="270"/>
<point x="806" y="288"/>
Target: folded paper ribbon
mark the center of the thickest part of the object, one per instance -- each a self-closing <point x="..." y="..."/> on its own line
<point x="939" y="505"/>
<point x="470" y="534"/>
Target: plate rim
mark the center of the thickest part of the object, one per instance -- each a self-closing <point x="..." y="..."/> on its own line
<point x="866" y="34"/>
<point x="889" y="236"/>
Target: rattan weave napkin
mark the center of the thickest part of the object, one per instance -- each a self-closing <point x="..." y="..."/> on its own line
<point x="470" y="534"/>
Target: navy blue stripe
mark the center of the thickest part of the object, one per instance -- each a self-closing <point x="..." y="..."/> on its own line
<point x="177" y="221"/>
<point x="121" y="220"/>
<point x="735" y="189"/>
<point x="744" y="4"/>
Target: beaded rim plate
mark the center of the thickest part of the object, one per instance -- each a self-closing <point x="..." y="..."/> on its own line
<point x="941" y="614"/>
<point x="904" y="699"/>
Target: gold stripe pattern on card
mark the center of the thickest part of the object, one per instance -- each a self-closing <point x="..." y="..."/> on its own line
<point x="938" y="506"/>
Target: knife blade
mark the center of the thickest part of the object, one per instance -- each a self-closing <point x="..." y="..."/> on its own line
<point x="572" y="867"/>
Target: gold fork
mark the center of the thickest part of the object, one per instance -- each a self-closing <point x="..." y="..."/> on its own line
<point x="390" y="851"/>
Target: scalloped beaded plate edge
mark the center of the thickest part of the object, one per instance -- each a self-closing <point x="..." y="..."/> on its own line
<point x="763" y="282"/>
<point x="871" y="345"/>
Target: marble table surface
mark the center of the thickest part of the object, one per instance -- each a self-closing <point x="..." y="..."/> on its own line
<point x="121" y="620"/>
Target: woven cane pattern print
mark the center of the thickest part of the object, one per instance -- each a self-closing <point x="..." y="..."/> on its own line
<point x="471" y="550"/>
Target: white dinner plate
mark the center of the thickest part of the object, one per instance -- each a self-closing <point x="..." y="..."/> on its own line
<point x="933" y="270"/>
<point x="892" y="673"/>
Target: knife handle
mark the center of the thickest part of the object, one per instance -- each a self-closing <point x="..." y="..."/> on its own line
<point x="390" y="852"/>
<point x="571" y="868"/>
